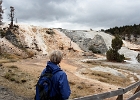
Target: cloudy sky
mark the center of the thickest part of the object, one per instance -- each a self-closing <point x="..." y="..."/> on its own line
<point x="75" y="14"/>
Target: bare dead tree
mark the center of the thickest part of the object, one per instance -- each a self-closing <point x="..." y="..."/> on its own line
<point x="11" y="15"/>
<point x="1" y="12"/>
<point x="16" y="20"/>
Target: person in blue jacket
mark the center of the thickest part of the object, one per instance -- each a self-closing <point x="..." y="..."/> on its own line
<point x="61" y="89"/>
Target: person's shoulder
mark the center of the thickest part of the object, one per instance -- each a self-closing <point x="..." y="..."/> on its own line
<point x="61" y="72"/>
<point x="44" y="70"/>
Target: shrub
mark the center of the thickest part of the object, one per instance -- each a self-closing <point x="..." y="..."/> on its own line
<point x="120" y="58"/>
<point x="93" y="49"/>
<point x="2" y="33"/>
<point x="13" y="66"/>
<point x="112" y="54"/>
<point x="7" y="76"/>
<point x="50" y="31"/>
<point x="30" y="54"/>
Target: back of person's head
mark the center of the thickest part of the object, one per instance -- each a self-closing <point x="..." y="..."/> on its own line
<point x="56" y="56"/>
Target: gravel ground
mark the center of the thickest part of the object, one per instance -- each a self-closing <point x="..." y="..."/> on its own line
<point x="7" y="94"/>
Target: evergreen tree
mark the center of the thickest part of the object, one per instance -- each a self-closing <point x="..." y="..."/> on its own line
<point x="112" y="54"/>
<point x="116" y="43"/>
<point x="125" y="31"/>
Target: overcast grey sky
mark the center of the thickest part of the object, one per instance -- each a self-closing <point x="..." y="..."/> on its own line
<point x="75" y="14"/>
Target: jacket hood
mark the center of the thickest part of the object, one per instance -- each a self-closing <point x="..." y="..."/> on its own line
<point x="51" y="67"/>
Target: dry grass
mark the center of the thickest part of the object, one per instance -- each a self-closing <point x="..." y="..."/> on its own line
<point x="107" y="77"/>
<point x="80" y="89"/>
<point x="13" y="74"/>
<point x="10" y="56"/>
<point x="7" y="60"/>
<point x="21" y="82"/>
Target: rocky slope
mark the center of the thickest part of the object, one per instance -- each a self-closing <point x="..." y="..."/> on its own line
<point x="37" y="40"/>
<point x="29" y="40"/>
<point x="100" y="40"/>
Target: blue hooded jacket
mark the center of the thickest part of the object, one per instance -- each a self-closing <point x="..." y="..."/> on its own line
<point x="59" y="80"/>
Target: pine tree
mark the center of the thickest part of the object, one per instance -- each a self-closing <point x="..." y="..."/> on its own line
<point x="112" y="54"/>
<point x="116" y="43"/>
